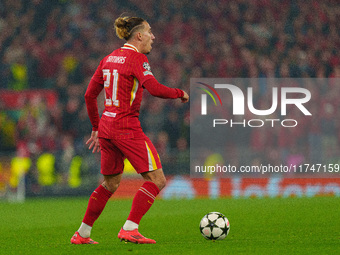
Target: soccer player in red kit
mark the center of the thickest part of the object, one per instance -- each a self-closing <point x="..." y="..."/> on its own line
<point x="123" y="75"/>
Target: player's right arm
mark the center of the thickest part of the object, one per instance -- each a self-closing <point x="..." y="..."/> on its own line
<point x="149" y="82"/>
<point x="159" y="90"/>
<point x="185" y="97"/>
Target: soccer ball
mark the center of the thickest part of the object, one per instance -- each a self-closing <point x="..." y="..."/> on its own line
<point x="214" y="226"/>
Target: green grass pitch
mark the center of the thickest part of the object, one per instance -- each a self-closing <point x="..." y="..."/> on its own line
<point x="258" y="226"/>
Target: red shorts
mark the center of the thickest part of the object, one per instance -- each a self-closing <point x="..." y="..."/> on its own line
<point x="140" y="152"/>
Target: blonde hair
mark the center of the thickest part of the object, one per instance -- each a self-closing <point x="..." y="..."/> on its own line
<point x="125" y="26"/>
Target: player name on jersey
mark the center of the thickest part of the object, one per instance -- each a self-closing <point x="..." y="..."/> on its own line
<point x="116" y="59"/>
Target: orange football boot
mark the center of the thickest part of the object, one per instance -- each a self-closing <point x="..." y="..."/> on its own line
<point x="77" y="239"/>
<point x="133" y="236"/>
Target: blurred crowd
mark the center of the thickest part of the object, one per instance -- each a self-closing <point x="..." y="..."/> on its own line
<point x="58" y="45"/>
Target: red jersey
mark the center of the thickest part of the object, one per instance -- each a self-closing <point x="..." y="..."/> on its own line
<point x="123" y="74"/>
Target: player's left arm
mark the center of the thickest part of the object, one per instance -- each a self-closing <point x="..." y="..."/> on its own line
<point x="91" y="95"/>
<point x="92" y="92"/>
<point x="94" y="88"/>
<point x="94" y="142"/>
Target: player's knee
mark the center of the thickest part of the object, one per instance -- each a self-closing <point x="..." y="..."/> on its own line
<point x="160" y="183"/>
<point x="110" y="186"/>
<point x="111" y="182"/>
<point x="157" y="177"/>
<point x="113" y="187"/>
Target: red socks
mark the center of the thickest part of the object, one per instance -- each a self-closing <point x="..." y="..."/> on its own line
<point x="96" y="205"/>
<point x="142" y="201"/>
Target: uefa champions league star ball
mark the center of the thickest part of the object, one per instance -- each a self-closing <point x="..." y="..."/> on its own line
<point x="214" y="226"/>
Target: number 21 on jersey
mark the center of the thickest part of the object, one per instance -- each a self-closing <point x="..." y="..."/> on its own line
<point x="111" y="85"/>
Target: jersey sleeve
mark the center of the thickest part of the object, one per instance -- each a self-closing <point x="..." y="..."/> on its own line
<point x="147" y="80"/>
<point x="98" y="74"/>
<point x="159" y="90"/>
<point x="92" y="92"/>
